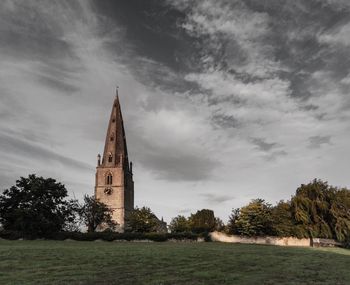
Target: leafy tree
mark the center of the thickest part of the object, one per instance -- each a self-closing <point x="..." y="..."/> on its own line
<point x="340" y="213"/>
<point x="94" y="213"/>
<point x="232" y="221"/>
<point x="36" y="206"/>
<point x="310" y="208"/>
<point x="283" y="223"/>
<point x="202" y="221"/>
<point x="254" y="219"/>
<point x="321" y="210"/>
<point x="179" y="224"/>
<point x="142" y="220"/>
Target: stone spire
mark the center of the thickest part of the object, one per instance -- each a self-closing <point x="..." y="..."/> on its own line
<point x="115" y="151"/>
<point x="114" y="178"/>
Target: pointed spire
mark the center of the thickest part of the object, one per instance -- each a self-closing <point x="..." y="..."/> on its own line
<point x="115" y="152"/>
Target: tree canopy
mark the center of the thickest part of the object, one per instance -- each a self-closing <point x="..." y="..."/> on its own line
<point x="254" y="219"/>
<point x="202" y="221"/>
<point x="321" y="210"/>
<point x="316" y="210"/>
<point x="179" y="224"/>
<point x="94" y="213"/>
<point x="142" y="220"/>
<point x="36" y="206"/>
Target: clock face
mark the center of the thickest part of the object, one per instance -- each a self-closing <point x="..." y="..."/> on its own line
<point x="108" y="191"/>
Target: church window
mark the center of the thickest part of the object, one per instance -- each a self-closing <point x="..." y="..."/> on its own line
<point x="110" y="158"/>
<point x="109" y="179"/>
<point x="113" y="120"/>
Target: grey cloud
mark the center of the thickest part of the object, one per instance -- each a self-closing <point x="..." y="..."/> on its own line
<point x="216" y="198"/>
<point x="310" y="107"/>
<point x="225" y="121"/>
<point x="177" y="166"/>
<point x="33" y="39"/>
<point x="275" y="154"/>
<point x="263" y="145"/>
<point x="28" y="150"/>
<point x="173" y="163"/>
<point x="7" y="177"/>
<point x="318" y="141"/>
<point x="54" y="83"/>
<point x="234" y="100"/>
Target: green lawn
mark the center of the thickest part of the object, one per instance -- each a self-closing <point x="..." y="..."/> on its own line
<point x="71" y="262"/>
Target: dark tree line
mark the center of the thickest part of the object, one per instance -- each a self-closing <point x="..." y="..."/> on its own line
<point x="40" y="207"/>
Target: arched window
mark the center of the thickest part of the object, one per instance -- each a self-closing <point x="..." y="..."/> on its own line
<point x="109" y="179"/>
<point x="110" y="157"/>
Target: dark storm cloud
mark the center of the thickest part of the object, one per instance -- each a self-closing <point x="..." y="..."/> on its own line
<point x="318" y="141"/>
<point x="151" y="31"/>
<point x="150" y="27"/>
<point x="27" y="150"/>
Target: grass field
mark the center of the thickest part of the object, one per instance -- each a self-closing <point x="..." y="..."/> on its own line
<point x="70" y="262"/>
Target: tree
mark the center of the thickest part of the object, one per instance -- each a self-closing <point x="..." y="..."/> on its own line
<point x="310" y="208"/>
<point x="283" y="223"/>
<point x="142" y="220"/>
<point x="254" y="219"/>
<point x="321" y="210"/>
<point x="94" y="213"/>
<point x="202" y="221"/>
<point x="232" y="221"/>
<point x="340" y="213"/>
<point x="36" y="206"/>
<point x="179" y="224"/>
<point x="219" y="225"/>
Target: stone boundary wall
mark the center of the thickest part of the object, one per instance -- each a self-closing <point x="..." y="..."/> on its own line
<point x="285" y="241"/>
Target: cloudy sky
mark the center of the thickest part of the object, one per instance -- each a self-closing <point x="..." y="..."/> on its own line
<point x="223" y="101"/>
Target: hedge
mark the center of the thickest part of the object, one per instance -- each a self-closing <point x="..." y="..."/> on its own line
<point x="107" y="236"/>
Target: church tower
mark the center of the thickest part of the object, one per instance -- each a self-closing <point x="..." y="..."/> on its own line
<point x="114" y="178"/>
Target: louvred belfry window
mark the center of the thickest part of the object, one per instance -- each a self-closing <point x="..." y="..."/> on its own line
<point x="109" y="179"/>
